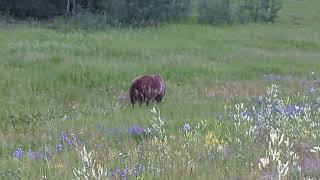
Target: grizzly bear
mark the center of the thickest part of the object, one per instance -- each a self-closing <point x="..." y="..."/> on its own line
<point x="147" y="88"/>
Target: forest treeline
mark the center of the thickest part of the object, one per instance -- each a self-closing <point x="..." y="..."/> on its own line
<point x="146" y="12"/>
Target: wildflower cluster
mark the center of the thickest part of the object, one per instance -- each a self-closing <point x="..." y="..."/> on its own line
<point x="46" y="154"/>
<point x="156" y="152"/>
<point x="261" y="137"/>
<point x="274" y="112"/>
<point x="280" y="156"/>
<point x="65" y="141"/>
<point x="280" y="124"/>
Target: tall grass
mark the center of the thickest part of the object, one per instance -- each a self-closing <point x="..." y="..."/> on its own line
<point x="61" y="91"/>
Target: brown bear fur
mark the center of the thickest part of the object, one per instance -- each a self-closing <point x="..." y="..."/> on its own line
<point x="147" y="88"/>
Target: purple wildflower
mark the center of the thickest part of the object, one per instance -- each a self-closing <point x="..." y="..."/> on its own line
<point x="59" y="148"/>
<point x="18" y="153"/>
<point x="117" y="170"/>
<point x="247" y="114"/>
<point x="38" y="155"/>
<point x="125" y="173"/>
<point x="35" y="155"/>
<point x="120" y="173"/>
<point x="66" y="140"/>
<point x="312" y="89"/>
<point x="186" y="127"/>
<point x="136" y="130"/>
<point x="261" y="101"/>
<point x="63" y="136"/>
<point x="138" y="169"/>
<point x="290" y="110"/>
<point x="293" y="110"/>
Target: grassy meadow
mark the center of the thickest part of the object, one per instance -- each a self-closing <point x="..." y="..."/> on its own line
<point x="61" y="90"/>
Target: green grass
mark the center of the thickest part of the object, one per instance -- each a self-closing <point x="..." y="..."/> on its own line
<point x="54" y="80"/>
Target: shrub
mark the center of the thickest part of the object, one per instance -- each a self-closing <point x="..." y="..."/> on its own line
<point x="239" y="14"/>
<point x="224" y="11"/>
<point x="144" y="12"/>
<point x="262" y="10"/>
<point x="214" y="11"/>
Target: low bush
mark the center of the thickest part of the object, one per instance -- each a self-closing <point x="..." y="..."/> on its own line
<point x="143" y="12"/>
<point x="225" y="11"/>
<point x="214" y="11"/>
